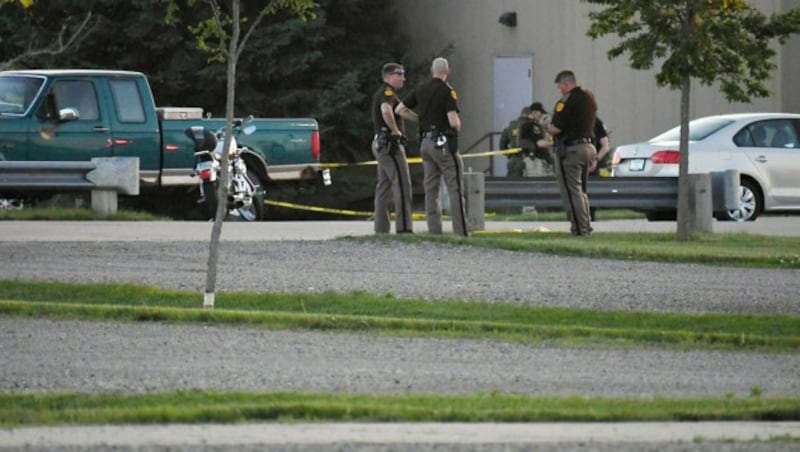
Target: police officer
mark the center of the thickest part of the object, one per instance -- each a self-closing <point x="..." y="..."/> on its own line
<point x="603" y="160"/>
<point x="435" y="105"/>
<point x="388" y="147"/>
<point x="534" y="137"/>
<point x="573" y="128"/>
<point x="603" y="145"/>
<point x="510" y="138"/>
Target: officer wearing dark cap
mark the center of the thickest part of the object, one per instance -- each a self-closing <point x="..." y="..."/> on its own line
<point x="388" y="147"/>
<point x="573" y="129"/>
<point x="534" y="135"/>
<point x="435" y="105"/>
<point x="509" y="139"/>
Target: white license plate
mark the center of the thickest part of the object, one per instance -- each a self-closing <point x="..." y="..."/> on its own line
<point x="637" y="165"/>
<point x="206" y="165"/>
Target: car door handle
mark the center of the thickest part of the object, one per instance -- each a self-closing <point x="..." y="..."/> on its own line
<point x="761" y="159"/>
<point x="100" y="129"/>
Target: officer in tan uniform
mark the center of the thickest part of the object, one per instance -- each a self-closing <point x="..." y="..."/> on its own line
<point x="572" y="127"/>
<point x="435" y="105"/>
<point x="388" y="147"/>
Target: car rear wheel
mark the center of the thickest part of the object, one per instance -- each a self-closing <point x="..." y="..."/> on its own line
<point x="749" y="204"/>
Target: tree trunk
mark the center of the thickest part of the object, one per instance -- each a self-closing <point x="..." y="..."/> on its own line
<point x="687" y="37"/>
<point x="683" y="166"/>
<point x="222" y="189"/>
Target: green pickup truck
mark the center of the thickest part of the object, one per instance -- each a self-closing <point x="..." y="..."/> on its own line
<point x="117" y="117"/>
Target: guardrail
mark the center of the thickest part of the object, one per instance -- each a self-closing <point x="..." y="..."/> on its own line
<point x="643" y="193"/>
<point x="106" y="177"/>
<point x="650" y="193"/>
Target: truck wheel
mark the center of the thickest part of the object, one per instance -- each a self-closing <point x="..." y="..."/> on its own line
<point x="210" y="191"/>
<point x="255" y="211"/>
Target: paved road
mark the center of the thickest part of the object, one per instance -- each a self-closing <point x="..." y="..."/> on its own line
<point x="401" y="437"/>
<point x="39" y="231"/>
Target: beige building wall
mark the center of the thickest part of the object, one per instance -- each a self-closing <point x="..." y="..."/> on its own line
<point x="790" y="67"/>
<point x="554" y="33"/>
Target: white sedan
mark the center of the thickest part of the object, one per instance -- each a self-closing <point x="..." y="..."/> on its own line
<point x="763" y="147"/>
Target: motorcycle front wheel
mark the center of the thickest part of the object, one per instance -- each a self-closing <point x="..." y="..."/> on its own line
<point x="255" y="211"/>
<point x="211" y="198"/>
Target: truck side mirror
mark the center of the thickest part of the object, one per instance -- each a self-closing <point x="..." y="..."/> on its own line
<point x="68" y="114"/>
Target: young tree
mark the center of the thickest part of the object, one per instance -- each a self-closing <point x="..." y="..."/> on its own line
<point x="221" y="36"/>
<point x="724" y="41"/>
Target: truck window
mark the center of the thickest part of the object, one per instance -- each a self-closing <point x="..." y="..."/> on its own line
<point x="127" y="101"/>
<point x="77" y="94"/>
<point x="17" y="93"/>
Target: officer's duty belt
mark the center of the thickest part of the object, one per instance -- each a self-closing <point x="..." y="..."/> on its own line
<point x="575" y="141"/>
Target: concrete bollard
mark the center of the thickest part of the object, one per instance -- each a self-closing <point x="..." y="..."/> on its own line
<point x="474" y="192"/>
<point x="700" y="203"/>
<point x="104" y="202"/>
<point x="725" y="190"/>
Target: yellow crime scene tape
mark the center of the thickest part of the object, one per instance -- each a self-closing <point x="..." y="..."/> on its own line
<point x="356" y="213"/>
<point x="419" y="159"/>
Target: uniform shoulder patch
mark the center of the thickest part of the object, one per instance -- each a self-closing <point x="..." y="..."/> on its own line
<point x="559" y="107"/>
<point x="453" y="94"/>
<point x="388" y="92"/>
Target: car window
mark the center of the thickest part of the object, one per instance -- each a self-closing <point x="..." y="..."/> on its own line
<point x="775" y="133"/>
<point x="77" y="94"/>
<point x="784" y="135"/>
<point x="699" y="129"/>
<point x="753" y="136"/>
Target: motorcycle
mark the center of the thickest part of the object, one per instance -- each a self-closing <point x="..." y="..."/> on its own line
<point x="245" y="196"/>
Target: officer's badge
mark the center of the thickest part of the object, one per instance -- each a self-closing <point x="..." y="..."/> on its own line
<point x="453" y="94"/>
<point x="559" y="107"/>
<point x="537" y="130"/>
<point x="388" y="93"/>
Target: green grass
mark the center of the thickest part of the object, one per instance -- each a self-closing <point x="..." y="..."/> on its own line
<point x="559" y="215"/>
<point x="368" y="313"/>
<point x="202" y="406"/>
<point x="735" y="250"/>
<point x="74" y="214"/>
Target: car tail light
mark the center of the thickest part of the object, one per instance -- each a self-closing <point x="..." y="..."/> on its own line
<point x="315" y="146"/>
<point x="669" y="157"/>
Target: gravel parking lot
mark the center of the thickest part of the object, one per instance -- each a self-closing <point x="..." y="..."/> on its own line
<point x="47" y="355"/>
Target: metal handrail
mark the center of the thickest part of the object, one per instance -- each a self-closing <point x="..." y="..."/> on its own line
<point x="487" y="135"/>
<point x="490" y="137"/>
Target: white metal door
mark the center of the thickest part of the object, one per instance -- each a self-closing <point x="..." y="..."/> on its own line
<point x="513" y="89"/>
